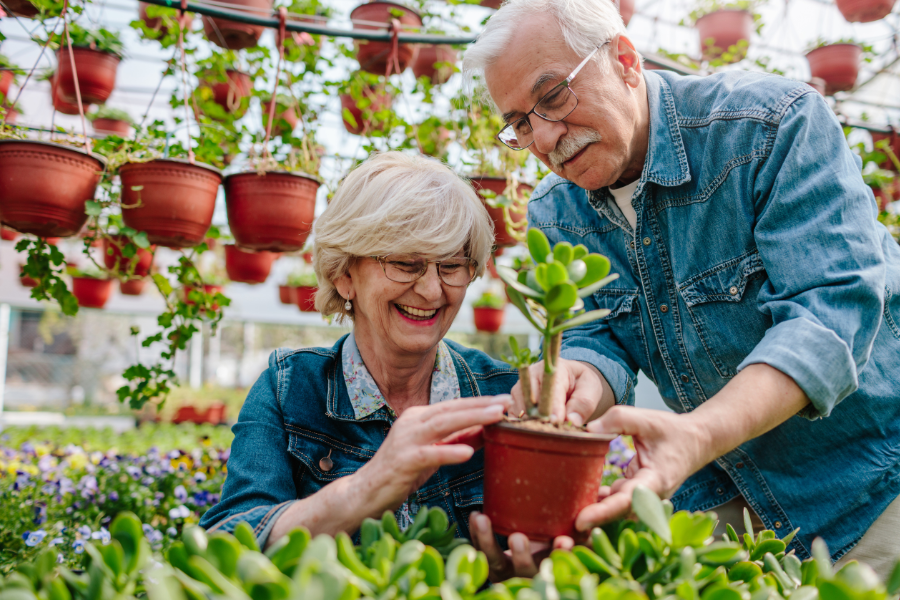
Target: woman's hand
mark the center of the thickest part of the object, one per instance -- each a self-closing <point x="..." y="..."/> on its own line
<point x="423" y="439"/>
<point x="523" y="557"/>
<point x="580" y="392"/>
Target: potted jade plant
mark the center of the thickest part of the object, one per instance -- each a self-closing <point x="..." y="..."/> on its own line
<point x="304" y="285"/>
<point x="837" y="63"/>
<point x="110" y="121"/>
<point x="865" y="11"/>
<point x="540" y="474"/>
<point x="248" y="266"/>
<point x="97" y="54"/>
<point x="380" y="58"/>
<point x="91" y="288"/>
<point x="235" y="35"/>
<point x="487" y="312"/>
<point x="725" y="28"/>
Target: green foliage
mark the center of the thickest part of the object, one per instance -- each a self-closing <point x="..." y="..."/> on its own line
<point x="101" y="39"/>
<point x="519" y="357"/>
<point x="489" y="300"/>
<point x="108" y="112"/>
<point x="302" y="279"/>
<point x="46" y="264"/>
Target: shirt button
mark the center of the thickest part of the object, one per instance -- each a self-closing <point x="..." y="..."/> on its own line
<point x="685" y="378"/>
<point x="733" y="291"/>
<point x="632" y="244"/>
<point x="740" y="465"/>
<point x="326" y="464"/>
<point x="664" y="308"/>
<point x="720" y="491"/>
<point x="777" y="524"/>
<point x="646" y="241"/>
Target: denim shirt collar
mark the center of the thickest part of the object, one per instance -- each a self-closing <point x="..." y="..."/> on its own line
<point x="366" y="398"/>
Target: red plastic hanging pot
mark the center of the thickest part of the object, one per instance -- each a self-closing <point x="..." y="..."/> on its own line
<point x="273" y="211"/>
<point x="306" y="298"/>
<point x="6" y="79"/>
<point x="112" y="256"/>
<point x="25" y="280"/>
<point x="43" y="186"/>
<point x="21" y="8"/>
<point x="425" y="65"/>
<point x="721" y="29"/>
<point x="12" y="115"/>
<point x="90" y="292"/>
<point x="285" y="121"/>
<point x="208" y="289"/>
<point x="495" y="4"/>
<point x="175" y="201"/>
<point x="373" y="57"/>
<point x="246" y="266"/>
<point x="894" y="145"/>
<point x="111" y="126"/>
<point x="229" y="93"/>
<point x="502" y="237"/>
<point x="865" y="11"/>
<point x="537" y="482"/>
<point x="487" y="319"/>
<point x="818" y="84"/>
<point x="232" y="34"/>
<point x="626" y="9"/>
<point x="286" y="294"/>
<point x="132" y="287"/>
<point x="837" y="64"/>
<point x="96" y="74"/>
<point x="363" y="125"/>
<point x="60" y="104"/>
<point x="8" y="235"/>
<point x="157" y="22"/>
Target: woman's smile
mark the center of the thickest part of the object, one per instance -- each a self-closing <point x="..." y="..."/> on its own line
<point x="419" y="316"/>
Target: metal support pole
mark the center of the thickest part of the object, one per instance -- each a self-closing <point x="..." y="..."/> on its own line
<point x="4" y="352"/>
<point x="196" y="367"/>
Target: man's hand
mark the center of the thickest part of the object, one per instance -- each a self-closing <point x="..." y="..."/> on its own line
<point x="523" y="557"/>
<point x="580" y="392"/>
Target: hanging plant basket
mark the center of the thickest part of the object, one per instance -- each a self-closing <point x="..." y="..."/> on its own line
<point x="502" y="235"/>
<point x="273" y="211"/>
<point x="285" y="121"/>
<point x="90" y="292"/>
<point x="12" y="115"/>
<point x="487" y="319"/>
<point x="43" y="186"/>
<point x="132" y="287"/>
<point x="723" y="29"/>
<point x="306" y="298"/>
<point x="286" y="294"/>
<point x="113" y="259"/>
<point x="865" y="11"/>
<point x="537" y="482"/>
<point x="626" y="9"/>
<point x="96" y="74"/>
<point x="111" y="126"/>
<point x="156" y="23"/>
<point x="495" y="4"/>
<point x="174" y="201"/>
<point x="6" y="79"/>
<point x="373" y="57"/>
<point x="208" y="289"/>
<point x="21" y="8"/>
<point x="837" y="64"/>
<point x="25" y="280"/>
<point x="59" y="103"/>
<point x="378" y="100"/>
<point x="246" y="266"/>
<point x="894" y="145"/>
<point x="232" y="34"/>
<point x="230" y="93"/>
<point x="8" y="235"/>
<point x="428" y="58"/>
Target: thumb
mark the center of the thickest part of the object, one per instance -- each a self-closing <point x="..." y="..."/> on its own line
<point x="582" y="401"/>
<point x="621" y="420"/>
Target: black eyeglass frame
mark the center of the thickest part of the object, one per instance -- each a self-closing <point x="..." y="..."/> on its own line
<point x="565" y="83"/>
<point x="472" y="262"/>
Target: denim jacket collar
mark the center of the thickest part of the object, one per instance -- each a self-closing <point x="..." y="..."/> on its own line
<point x="667" y="162"/>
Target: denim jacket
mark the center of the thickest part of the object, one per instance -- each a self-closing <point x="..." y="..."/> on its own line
<point x="756" y="242"/>
<point x="299" y="412"/>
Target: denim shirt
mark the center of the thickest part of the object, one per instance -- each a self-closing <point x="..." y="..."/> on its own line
<point x="756" y="242"/>
<point x="298" y="412"/>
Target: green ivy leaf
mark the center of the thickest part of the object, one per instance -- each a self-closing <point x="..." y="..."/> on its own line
<point x="93" y="208"/>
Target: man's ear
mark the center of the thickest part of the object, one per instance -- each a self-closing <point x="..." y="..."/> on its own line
<point x="629" y="60"/>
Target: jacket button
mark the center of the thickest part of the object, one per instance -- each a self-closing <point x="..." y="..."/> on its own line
<point x="326" y="464"/>
<point x="647" y="241"/>
<point x="664" y="308"/>
<point x="733" y="291"/>
<point x="740" y="465"/>
<point x="777" y="524"/>
<point x="720" y="491"/>
<point x="685" y="378"/>
<point x="632" y="244"/>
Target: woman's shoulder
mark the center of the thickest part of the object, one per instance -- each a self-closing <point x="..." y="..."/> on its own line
<point x="305" y="363"/>
<point x="481" y="365"/>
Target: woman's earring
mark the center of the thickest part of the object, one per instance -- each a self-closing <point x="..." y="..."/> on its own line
<point x="348" y="306"/>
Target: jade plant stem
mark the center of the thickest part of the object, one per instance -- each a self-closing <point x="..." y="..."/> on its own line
<point x="525" y="380"/>
<point x="552" y="345"/>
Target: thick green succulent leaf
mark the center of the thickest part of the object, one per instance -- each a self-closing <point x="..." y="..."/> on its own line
<point x="561" y="298"/>
<point x="597" y="268"/>
<point x="577" y="270"/>
<point x="223" y="551"/>
<point x="594" y="287"/>
<point x="649" y="509"/>
<point x="579" y="252"/>
<point x="581" y="320"/>
<point x="508" y="276"/>
<point x="563" y="252"/>
<point x="538" y="245"/>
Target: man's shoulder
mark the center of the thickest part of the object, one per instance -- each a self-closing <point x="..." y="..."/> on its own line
<point x="552" y="188"/>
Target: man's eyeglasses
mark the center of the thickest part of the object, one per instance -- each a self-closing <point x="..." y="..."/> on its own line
<point x="406" y="268"/>
<point x="556" y="105"/>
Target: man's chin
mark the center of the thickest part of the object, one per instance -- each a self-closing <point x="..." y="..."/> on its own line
<point x="586" y="180"/>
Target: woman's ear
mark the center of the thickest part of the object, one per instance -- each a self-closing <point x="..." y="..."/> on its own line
<point x="344" y="286"/>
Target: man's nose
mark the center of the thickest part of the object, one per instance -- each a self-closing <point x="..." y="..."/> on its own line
<point x="547" y="134"/>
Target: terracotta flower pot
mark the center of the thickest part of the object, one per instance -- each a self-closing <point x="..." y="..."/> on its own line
<point x="229" y="93"/>
<point x="894" y="145"/>
<point x="21" y="8"/>
<point x="59" y="103"/>
<point x="157" y="22"/>
<point x="25" y="280"/>
<point x="428" y="56"/>
<point x="865" y="11"/>
<point x="626" y="9"/>
<point x="248" y="266"/>
<point x="285" y="121"/>
<point x="90" y="292"/>
<point x="495" y="4"/>
<point x="112" y="256"/>
<point x="497" y="185"/>
<point x="537" y="482"/>
<point x="487" y="319"/>
<point x="8" y="235"/>
<point x="373" y="57"/>
<point x="817" y="83"/>
<point x="837" y="64"/>
<point x="363" y="125"/>
<point x="286" y="294"/>
<point x="43" y="186"/>
<point x="232" y="34"/>
<point x="176" y="201"/>
<point x="132" y="287"/>
<point x="6" y="79"/>
<point x="722" y="29"/>
<point x="113" y="126"/>
<point x="273" y="211"/>
<point x="12" y="115"/>
<point x="96" y="74"/>
<point x="306" y="298"/>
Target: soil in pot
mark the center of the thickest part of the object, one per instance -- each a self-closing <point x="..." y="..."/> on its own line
<point x="306" y="298"/>
<point x="44" y="187"/>
<point x="373" y="56"/>
<point x="90" y="292"/>
<point x="175" y="203"/>
<point x="273" y="211"/>
<point x="722" y="29"/>
<point x="229" y="93"/>
<point x="111" y="126"/>
<point x="286" y="294"/>
<point x="497" y="185"/>
<point x="837" y="64"/>
<point x="865" y="11"/>
<point x="429" y="57"/>
<point x="363" y="125"/>
<point x="248" y="266"/>
<point x="487" y="319"/>
<point x="232" y="34"/>
<point x="132" y="287"/>
<point x="157" y="22"/>
<point x="536" y="482"/>
<point x="96" y="74"/>
<point x="112" y="256"/>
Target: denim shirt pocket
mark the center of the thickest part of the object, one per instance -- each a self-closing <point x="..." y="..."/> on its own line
<point x="722" y="305"/>
<point x="624" y="314"/>
<point x="891" y="307"/>
<point x="310" y="448"/>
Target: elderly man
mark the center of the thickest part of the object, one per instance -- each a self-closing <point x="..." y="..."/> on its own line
<point x="756" y="288"/>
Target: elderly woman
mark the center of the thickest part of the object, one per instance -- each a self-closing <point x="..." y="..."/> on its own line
<point x="330" y="436"/>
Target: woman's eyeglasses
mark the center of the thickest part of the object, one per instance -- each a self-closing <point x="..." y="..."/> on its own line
<point x="406" y="268"/>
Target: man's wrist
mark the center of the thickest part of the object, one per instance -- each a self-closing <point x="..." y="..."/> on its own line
<point x="607" y="397"/>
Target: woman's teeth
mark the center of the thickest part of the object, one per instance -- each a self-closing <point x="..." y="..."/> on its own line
<point x="416" y="313"/>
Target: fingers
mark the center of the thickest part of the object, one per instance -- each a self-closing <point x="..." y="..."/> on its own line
<point x="585" y="391"/>
<point x="436" y="425"/>
<point x="618" y="504"/>
<point x="518" y="401"/>
<point x="473" y="437"/>
<point x="623" y="420"/>
<point x="437" y="456"/>
<point x="483" y="539"/>
<point x="522" y="560"/>
<point x="563" y="542"/>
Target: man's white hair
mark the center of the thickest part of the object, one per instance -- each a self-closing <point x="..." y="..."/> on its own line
<point x="585" y="25"/>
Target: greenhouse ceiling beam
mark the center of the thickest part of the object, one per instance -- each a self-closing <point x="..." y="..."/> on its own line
<point x="299" y="26"/>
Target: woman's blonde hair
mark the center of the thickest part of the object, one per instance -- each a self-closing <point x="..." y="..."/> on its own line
<point x="392" y="203"/>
